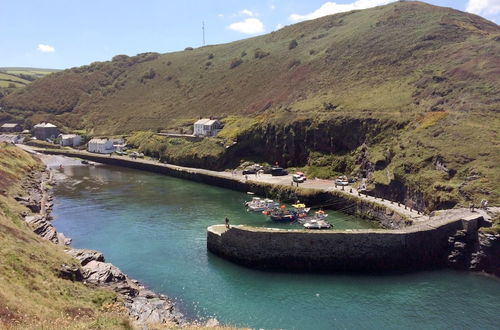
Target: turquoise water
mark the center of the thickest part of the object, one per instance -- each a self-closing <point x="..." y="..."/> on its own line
<point x="153" y="227"/>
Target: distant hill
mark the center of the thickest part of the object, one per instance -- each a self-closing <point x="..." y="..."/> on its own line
<point x="13" y="77"/>
<point x="408" y="92"/>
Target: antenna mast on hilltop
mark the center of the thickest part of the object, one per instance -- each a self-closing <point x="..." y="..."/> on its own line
<point x="203" y="30"/>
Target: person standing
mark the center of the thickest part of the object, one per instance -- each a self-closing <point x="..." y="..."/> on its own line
<point x="227" y="222"/>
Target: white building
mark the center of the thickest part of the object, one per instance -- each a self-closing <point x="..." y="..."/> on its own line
<point x="72" y="140"/>
<point x="100" y="146"/>
<point x="207" y="127"/>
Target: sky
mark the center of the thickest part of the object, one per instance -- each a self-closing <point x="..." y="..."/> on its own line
<point x="61" y="34"/>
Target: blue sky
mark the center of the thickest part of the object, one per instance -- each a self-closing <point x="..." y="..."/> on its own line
<point x="67" y="33"/>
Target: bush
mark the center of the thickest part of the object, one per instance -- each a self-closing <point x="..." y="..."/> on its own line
<point x="259" y="53"/>
<point x="235" y="62"/>
<point x="292" y="44"/>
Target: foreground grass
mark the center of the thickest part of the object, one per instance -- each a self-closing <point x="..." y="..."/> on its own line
<point x="31" y="294"/>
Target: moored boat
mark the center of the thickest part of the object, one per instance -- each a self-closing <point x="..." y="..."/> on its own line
<point x="258" y="205"/>
<point x="317" y="224"/>
<point x="282" y="215"/>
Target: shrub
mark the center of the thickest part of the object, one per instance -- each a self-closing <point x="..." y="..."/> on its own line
<point x="292" y="44"/>
<point x="210" y="56"/>
<point x="235" y="62"/>
<point x="259" y="53"/>
<point x="150" y="74"/>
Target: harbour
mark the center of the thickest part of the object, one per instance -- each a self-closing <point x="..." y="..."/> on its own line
<point x="154" y="228"/>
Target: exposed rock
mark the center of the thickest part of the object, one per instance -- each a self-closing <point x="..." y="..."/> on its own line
<point x="126" y="289"/>
<point x="101" y="272"/>
<point x="71" y="273"/>
<point x="154" y="310"/>
<point x="63" y="240"/>
<point x="42" y="227"/>
<point x="487" y="257"/>
<point x="84" y="256"/>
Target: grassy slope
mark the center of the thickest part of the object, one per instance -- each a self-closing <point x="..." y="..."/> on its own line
<point x="31" y="295"/>
<point x="404" y="61"/>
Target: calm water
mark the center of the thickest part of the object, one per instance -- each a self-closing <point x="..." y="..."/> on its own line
<point x="153" y="227"/>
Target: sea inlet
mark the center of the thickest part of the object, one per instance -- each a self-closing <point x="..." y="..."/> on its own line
<point x="153" y="228"/>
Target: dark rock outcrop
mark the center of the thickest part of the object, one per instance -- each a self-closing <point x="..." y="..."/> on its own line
<point x="71" y="273"/>
<point x="84" y="256"/>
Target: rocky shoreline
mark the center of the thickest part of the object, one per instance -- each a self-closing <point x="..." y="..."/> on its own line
<point x="144" y="306"/>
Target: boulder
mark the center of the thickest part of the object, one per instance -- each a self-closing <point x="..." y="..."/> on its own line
<point x="71" y="273"/>
<point x="84" y="256"/>
<point x="42" y="227"/>
<point x="101" y="272"/>
<point x="153" y="310"/>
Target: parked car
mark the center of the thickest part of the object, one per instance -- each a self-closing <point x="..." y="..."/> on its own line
<point x="298" y="178"/>
<point x="341" y="182"/>
<point x="278" y="171"/>
<point x="249" y="171"/>
<point x="302" y="175"/>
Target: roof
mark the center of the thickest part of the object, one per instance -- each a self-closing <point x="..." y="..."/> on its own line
<point x="10" y="125"/>
<point x="211" y="122"/>
<point x="99" y="141"/>
<point x="202" y="121"/>
<point x="68" y="136"/>
<point x="44" y="125"/>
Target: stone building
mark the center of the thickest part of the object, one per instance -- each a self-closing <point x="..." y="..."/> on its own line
<point x="100" y="146"/>
<point x="207" y="127"/>
<point x="45" y="131"/>
<point x="10" y="128"/>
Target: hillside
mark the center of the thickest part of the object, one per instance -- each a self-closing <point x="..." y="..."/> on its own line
<point x="32" y="296"/>
<point x="405" y="94"/>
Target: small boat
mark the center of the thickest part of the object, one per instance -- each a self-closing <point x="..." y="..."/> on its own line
<point x="320" y="214"/>
<point x="258" y="205"/>
<point x="281" y="215"/>
<point x="317" y="224"/>
<point x="85" y="162"/>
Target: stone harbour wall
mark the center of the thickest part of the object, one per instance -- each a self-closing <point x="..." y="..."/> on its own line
<point x="416" y="247"/>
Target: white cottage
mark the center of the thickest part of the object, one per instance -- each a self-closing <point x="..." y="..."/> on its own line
<point x="207" y="127"/>
<point x="100" y="146"/>
<point x="72" y="140"/>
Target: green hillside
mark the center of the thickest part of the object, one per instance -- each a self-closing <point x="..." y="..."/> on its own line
<point x="404" y="94"/>
<point x="32" y="296"/>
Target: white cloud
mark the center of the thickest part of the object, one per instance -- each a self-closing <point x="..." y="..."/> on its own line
<point x="272" y="6"/>
<point x="483" y="7"/>
<point x="220" y="15"/>
<point x="278" y="26"/>
<point x="45" y="48"/>
<point x="248" y="26"/>
<point x="330" y="8"/>
<point x="248" y="12"/>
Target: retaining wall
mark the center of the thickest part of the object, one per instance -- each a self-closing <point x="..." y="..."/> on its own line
<point x="349" y="204"/>
<point x="416" y="247"/>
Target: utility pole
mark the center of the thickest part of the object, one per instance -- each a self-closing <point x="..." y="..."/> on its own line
<point x="203" y="30"/>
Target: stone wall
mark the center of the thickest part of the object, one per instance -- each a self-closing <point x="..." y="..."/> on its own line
<point x="416" y="247"/>
<point x="335" y="200"/>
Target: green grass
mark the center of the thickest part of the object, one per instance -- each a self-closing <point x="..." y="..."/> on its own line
<point x="416" y="79"/>
<point x="31" y="295"/>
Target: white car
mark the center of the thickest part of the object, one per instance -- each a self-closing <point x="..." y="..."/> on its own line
<point x="298" y="178"/>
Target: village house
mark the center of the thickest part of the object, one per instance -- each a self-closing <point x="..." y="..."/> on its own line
<point x="100" y="146"/>
<point x="71" y="140"/>
<point x="207" y="127"/>
<point x="45" y="131"/>
<point x="10" y="128"/>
